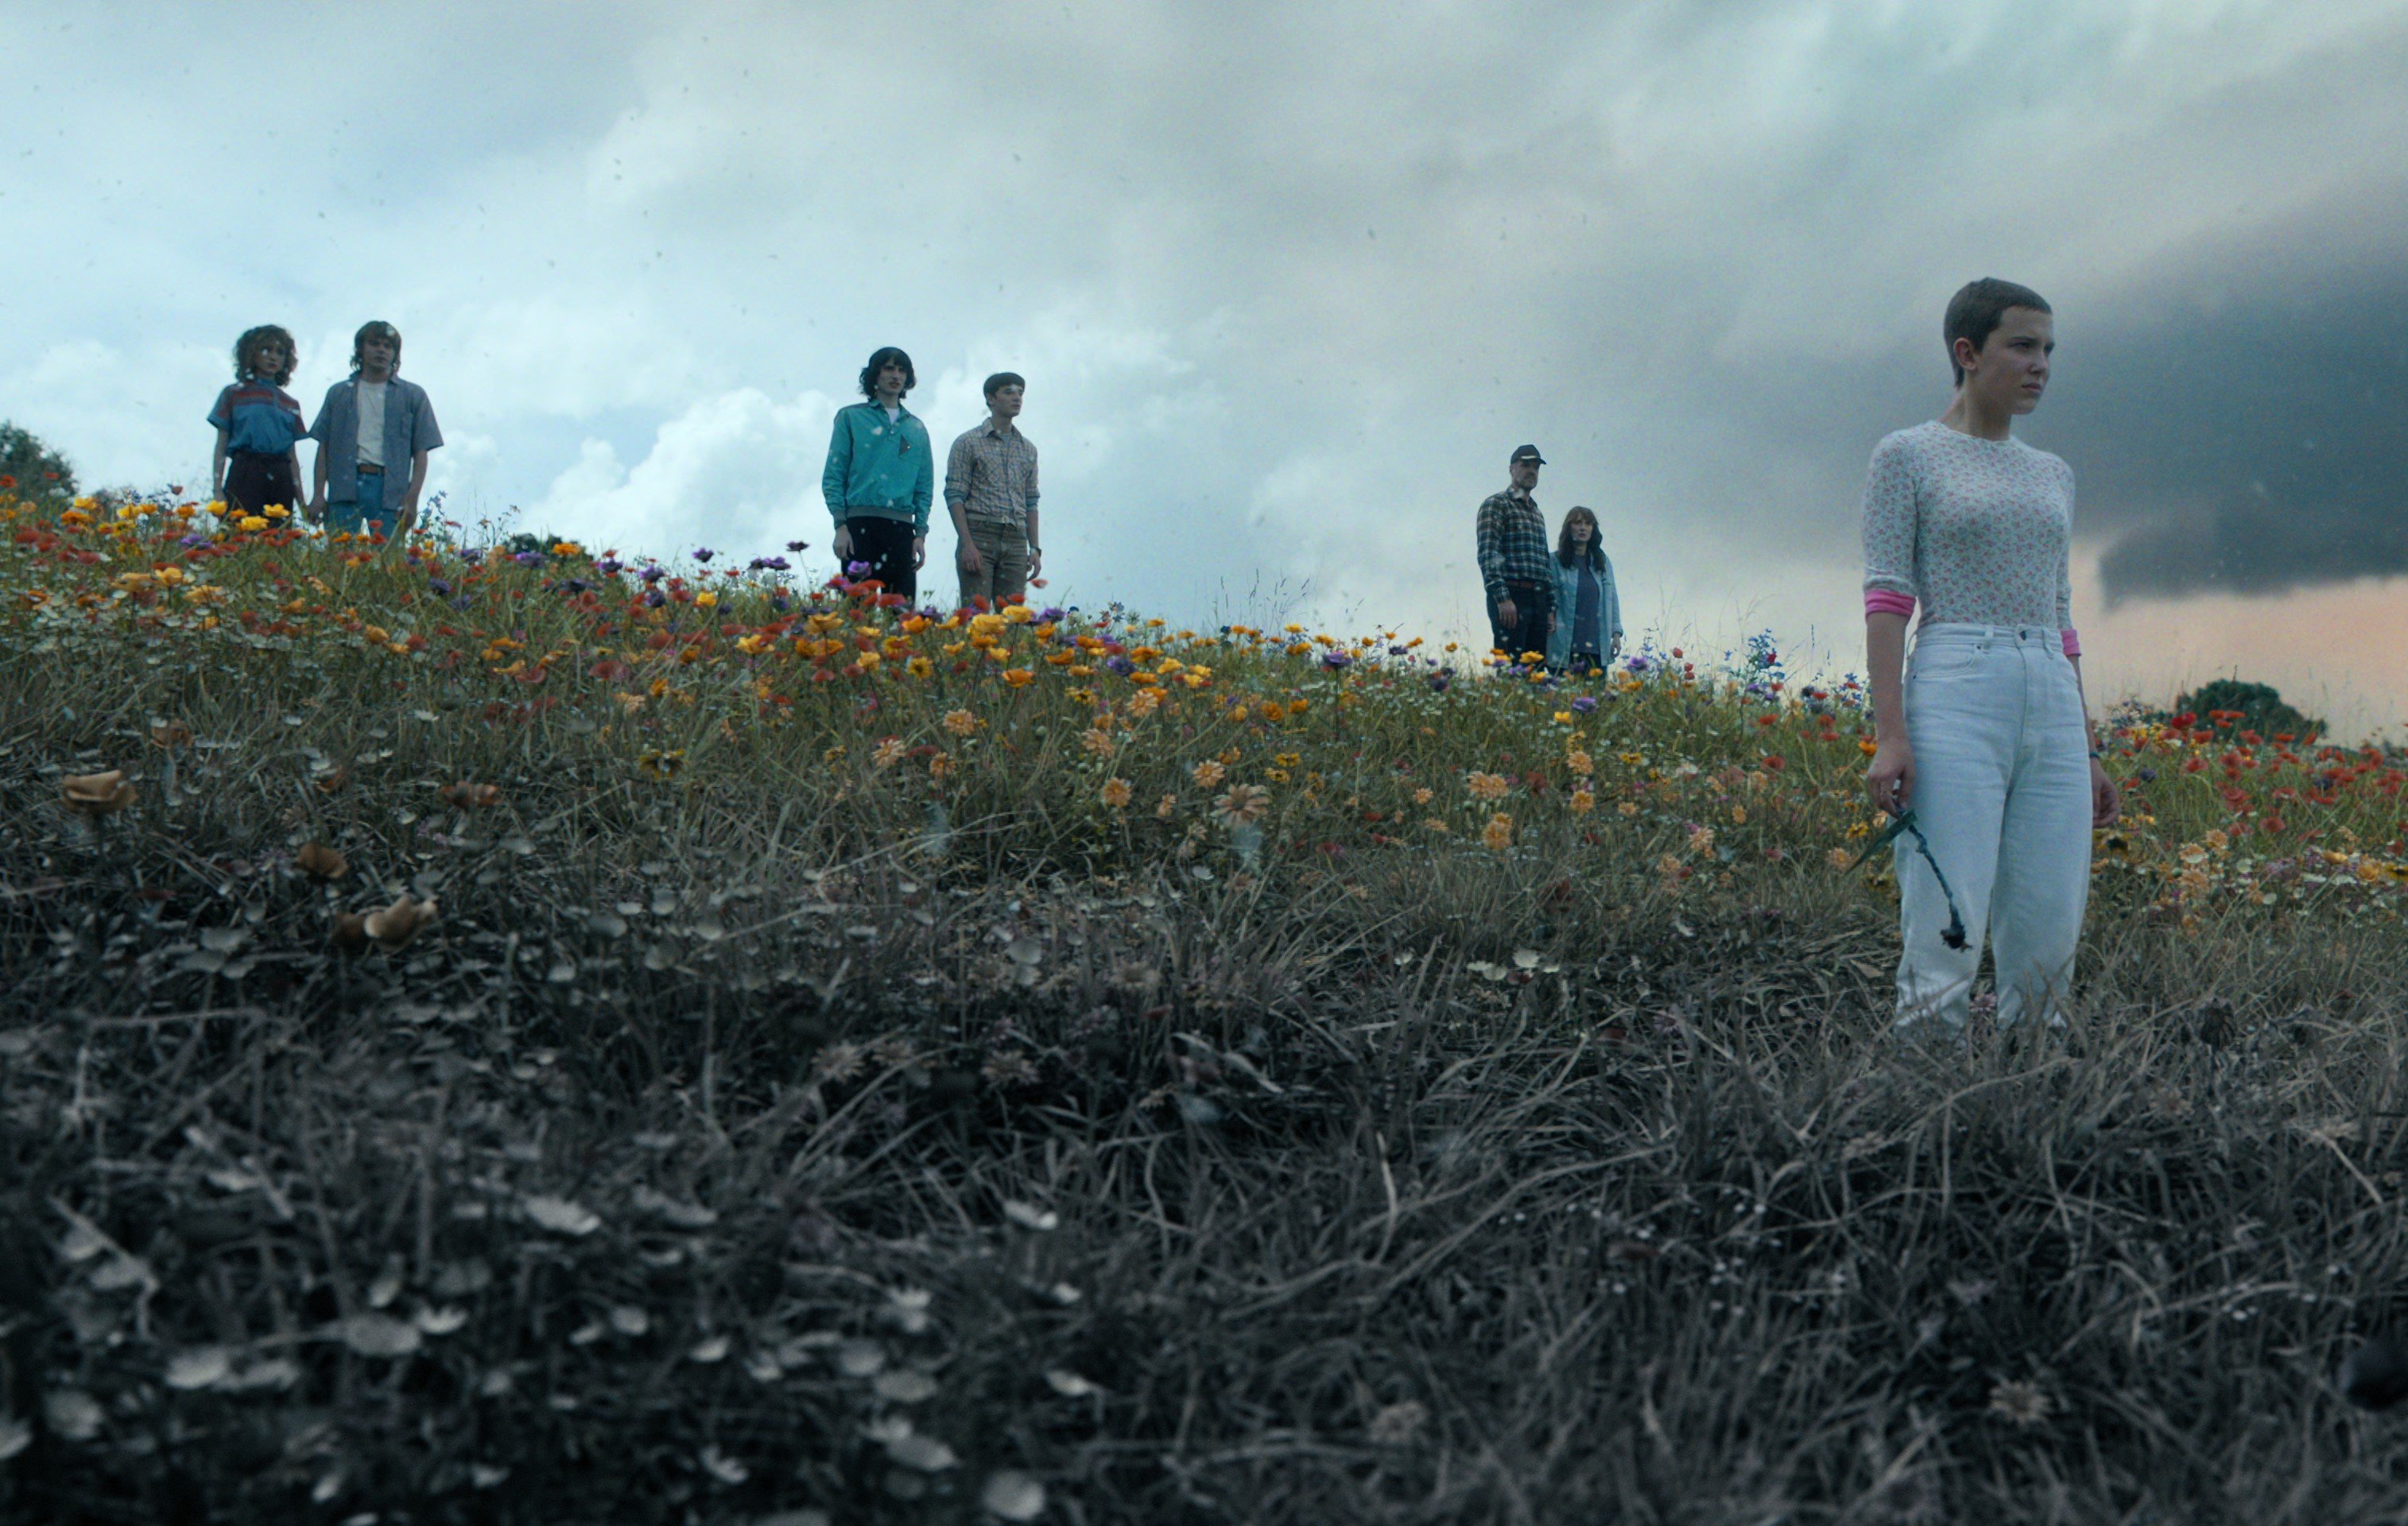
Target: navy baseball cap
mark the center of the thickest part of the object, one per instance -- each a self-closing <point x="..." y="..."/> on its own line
<point x="1527" y="452"/>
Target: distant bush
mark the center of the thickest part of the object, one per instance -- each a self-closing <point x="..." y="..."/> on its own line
<point x="2254" y="707"/>
<point x="38" y="472"/>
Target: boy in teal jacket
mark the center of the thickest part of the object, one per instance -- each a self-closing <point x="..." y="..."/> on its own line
<point x="880" y="478"/>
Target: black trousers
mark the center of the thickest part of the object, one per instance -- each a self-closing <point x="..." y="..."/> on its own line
<point x="886" y="545"/>
<point x="1529" y="632"/>
<point x="253" y="481"/>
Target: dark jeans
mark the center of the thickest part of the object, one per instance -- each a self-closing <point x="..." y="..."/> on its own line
<point x="887" y="545"/>
<point x="253" y="481"/>
<point x="1529" y="633"/>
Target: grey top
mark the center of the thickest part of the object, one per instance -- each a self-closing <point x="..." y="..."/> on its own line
<point x="409" y="428"/>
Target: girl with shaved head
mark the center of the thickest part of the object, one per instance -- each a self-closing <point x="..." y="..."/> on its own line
<point x="1983" y="753"/>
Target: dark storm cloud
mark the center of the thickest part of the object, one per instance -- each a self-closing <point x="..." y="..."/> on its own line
<point x="2254" y="443"/>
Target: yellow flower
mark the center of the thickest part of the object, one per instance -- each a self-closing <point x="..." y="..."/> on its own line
<point x="889" y="752"/>
<point x="1487" y="786"/>
<point x="1420" y="797"/>
<point x="1631" y="760"/>
<point x="918" y="667"/>
<point x="942" y="765"/>
<point x="705" y="599"/>
<point x="1116" y="792"/>
<point x="1277" y="776"/>
<point x="251" y="521"/>
<point x="1563" y="717"/>
<point x="1144" y="703"/>
<point x="1580" y="762"/>
<point x="1097" y="743"/>
<point x="1498" y="832"/>
<point x="1167" y="807"/>
<point x="1018" y="614"/>
<point x="1739" y="816"/>
<point x="751" y="646"/>
<point x="1292" y="760"/>
<point x="1627" y="809"/>
<point x="1018" y="677"/>
<point x="273" y="511"/>
<point x="1581" y="802"/>
<point x="962" y="723"/>
<point x="1208" y="773"/>
<point x="1839" y="859"/>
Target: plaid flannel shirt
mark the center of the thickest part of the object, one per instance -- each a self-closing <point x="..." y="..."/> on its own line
<point x="992" y="473"/>
<point x="1513" y="543"/>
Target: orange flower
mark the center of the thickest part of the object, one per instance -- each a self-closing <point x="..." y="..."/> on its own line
<point x="1487" y="786"/>
<point x="1208" y="773"/>
<point x="469" y="796"/>
<point x="1498" y="832"/>
<point x="1018" y="677"/>
<point x="399" y="923"/>
<point x="1243" y="804"/>
<point x="1582" y="802"/>
<point x="962" y="723"/>
<point x="1116" y="792"/>
<point x="96" y="795"/>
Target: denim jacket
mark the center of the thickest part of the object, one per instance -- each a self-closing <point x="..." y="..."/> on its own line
<point x="1609" y="611"/>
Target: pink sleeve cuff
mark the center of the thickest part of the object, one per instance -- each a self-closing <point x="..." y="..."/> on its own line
<point x="2072" y="643"/>
<point x="1883" y="601"/>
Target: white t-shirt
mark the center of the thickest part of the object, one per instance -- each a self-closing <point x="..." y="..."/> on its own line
<point x="372" y="423"/>
<point x="892" y="415"/>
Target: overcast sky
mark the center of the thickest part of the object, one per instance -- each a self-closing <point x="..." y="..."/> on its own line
<point x="1287" y="282"/>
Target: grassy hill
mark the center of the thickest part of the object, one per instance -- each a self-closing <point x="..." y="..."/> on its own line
<point x="526" y="1037"/>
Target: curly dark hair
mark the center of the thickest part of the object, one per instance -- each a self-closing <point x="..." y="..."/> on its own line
<point x="879" y="361"/>
<point x="1595" y="540"/>
<point x="254" y="340"/>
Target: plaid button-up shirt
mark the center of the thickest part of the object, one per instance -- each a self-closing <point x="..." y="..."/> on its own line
<point x="991" y="474"/>
<point x="1513" y="543"/>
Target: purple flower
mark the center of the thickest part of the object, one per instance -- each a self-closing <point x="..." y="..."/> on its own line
<point x="1637" y="662"/>
<point x="1395" y="650"/>
<point x="437" y="587"/>
<point x="1584" y="703"/>
<point x="460" y="600"/>
<point x="194" y="540"/>
<point x="655" y="599"/>
<point x="1439" y="679"/>
<point x="1334" y="660"/>
<point x="769" y="563"/>
<point x="798" y="545"/>
<point x="1052" y="613"/>
<point x="856" y="569"/>
<point x="609" y="567"/>
<point x="528" y="559"/>
<point x="704" y="553"/>
<point x="1120" y="664"/>
<point x="652" y="575"/>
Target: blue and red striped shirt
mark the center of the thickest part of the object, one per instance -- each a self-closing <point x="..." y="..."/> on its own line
<point x="258" y="418"/>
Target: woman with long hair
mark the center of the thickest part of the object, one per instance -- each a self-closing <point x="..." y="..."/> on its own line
<point x="1984" y="754"/>
<point x="1586" y="629"/>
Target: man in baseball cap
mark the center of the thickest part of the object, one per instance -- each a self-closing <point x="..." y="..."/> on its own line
<point x="1513" y="541"/>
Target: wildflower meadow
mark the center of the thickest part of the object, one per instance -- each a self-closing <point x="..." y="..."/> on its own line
<point x="500" y="1031"/>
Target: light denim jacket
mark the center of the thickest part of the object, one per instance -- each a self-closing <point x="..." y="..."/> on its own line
<point x="409" y="428"/>
<point x="1609" y="611"/>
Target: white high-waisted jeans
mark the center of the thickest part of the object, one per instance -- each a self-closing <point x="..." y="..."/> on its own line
<point x="2002" y="793"/>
